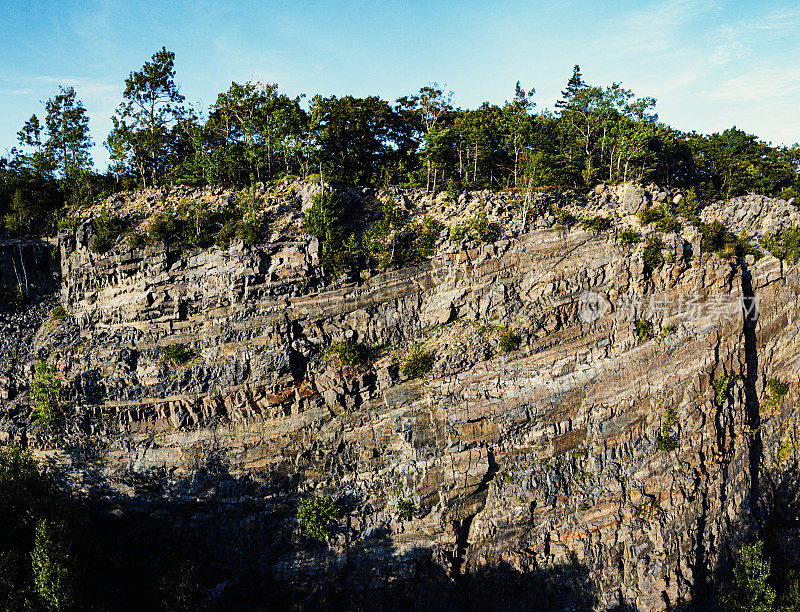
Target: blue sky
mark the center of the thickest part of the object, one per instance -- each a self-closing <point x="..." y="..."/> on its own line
<point x="710" y="63"/>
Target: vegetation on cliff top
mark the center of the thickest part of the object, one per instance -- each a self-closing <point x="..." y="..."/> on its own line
<point x="254" y="133"/>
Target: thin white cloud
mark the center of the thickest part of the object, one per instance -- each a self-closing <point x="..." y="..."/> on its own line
<point x="736" y="41"/>
<point x="761" y="86"/>
<point x="656" y="29"/>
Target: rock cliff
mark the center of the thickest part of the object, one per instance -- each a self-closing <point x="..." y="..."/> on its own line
<point x="615" y="454"/>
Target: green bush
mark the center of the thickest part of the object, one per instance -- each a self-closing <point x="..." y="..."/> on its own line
<point x="458" y="232"/>
<point x="717" y="239"/>
<point x="349" y="353"/>
<point x="652" y="255"/>
<point x="777" y="389"/>
<point x="317" y="517"/>
<point x="52" y="568"/>
<point x="749" y="589"/>
<point x="22" y="489"/>
<point x="135" y="240"/>
<point x="325" y="221"/>
<point x="650" y="214"/>
<point x="644" y="330"/>
<point x="596" y="224"/>
<point x="476" y="227"/>
<point x="666" y="224"/>
<point x="721" y="387"/>
<point x="629" y="237"/>
<point x="46" y="392"/>
<point x="59" y="313"/>
<point x="564" y="217"/>
<point x="509" y="340"/>
<point x="380" y="243"/>
<point x="12" y="298"/>
<point x="250" y="229"/>
<point x="165" y="226"/>
<point x="665" y="441"/>
<point x="108" y="228"/>
<point x="177" y="353"/>
<point x="784" y="245"/>
<point x="405" y="510"/>
<point x="776" y="393"/>
<point x="689" y="207"/>
<point x="418" y="363"/>
<point x="429" y="232"/>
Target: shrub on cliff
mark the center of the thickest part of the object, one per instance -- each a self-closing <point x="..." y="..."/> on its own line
<point x="509" y="340"/>
<point x="429" y="232"/>
<point x="418" y="362"/>
<point x="776" y="392"/>
<point x="597" y="223"/>
<point x="644" y="330"/>
<point x="53" y="570"/>
<point x="317" y="517"/>
<point x="46" y="392"/>
<point x="689" y="207"/>
<point x="629" y="237"/>
<point x="349" y="353"/>
<point x="564" y="217"/>
<point x="250" y="228"/>
<point x="405" y="510"/>
<point x="108" y="228"/>
<point x="12" y="298"/>
<point x="717" y="239"/>
<point x="325" y="221"/>
<point x="381" y="239"/>
<point x="749" y="589"/>
<point x="652" y="255"/>
<point x="665" y="441"/>
<point x="59" y="313"/>
<point x="784" y="244"/>
<point x="177" y="353"/>
<point x="476" y="228"/>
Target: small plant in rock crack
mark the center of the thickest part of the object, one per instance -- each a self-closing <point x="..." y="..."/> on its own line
<point x="46" y="392"/>
<point x="665" y="441"/>
<point x="597" y="224"/>
<point x="721" y="387"/>
<point x="629" y="237"/>
<point x="776" y="392"/>
<point x="405" y="510"/>
<point x="644" y="330"/>
<point x="59" y="313"/>
<point x="317" y="516"/>
<point x="652" y="255"/>
<point x="177" y="354"/>
<point x="418" y="362"/>
<point x="349" y="353"/>
<point x="509" y="340"/>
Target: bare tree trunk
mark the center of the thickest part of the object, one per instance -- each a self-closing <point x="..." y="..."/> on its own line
<point x="22" y="263"/>
<point x="435" y="170"/>
<point x="516" y="162"/>
<point x="475" y="165"/>
<point x="428" y="179"/>
<point x="526" y="204"/>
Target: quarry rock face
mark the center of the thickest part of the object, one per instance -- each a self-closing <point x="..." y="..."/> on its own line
<point x="614" y="454"/>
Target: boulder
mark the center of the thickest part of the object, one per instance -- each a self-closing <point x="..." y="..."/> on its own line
<point x="632" y="199"/>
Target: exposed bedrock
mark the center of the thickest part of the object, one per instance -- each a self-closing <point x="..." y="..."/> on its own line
<point x="548" y="458"/>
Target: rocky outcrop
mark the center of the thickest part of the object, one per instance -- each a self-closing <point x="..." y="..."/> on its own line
<point x="551" y="458"/>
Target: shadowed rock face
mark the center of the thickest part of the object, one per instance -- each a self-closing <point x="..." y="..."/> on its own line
<point x="543" y="459"/>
